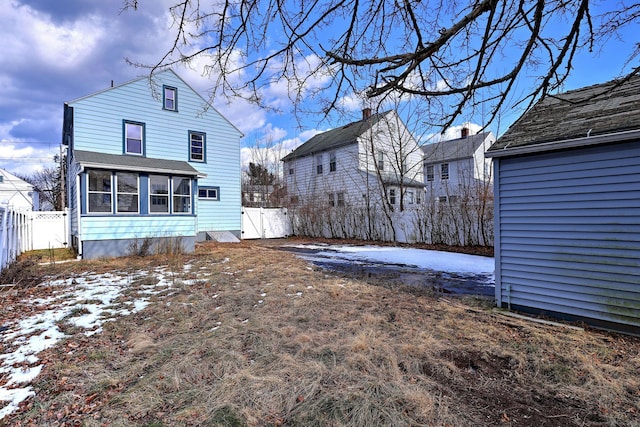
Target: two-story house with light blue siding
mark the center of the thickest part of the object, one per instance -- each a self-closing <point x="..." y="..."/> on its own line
<point x="149" y="161"/>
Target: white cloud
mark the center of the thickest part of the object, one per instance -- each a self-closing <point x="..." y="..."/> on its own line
<point x="272" y="147"/>
<point x="31" y="37"/>
<point x="453" y="132"/>
<point x="23" y="159"/>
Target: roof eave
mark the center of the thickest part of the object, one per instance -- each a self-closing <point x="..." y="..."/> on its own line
<point x="113" y="166"/>
<point x="565" y="144"/>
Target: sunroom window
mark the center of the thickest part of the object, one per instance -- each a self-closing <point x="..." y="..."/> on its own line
<point x="127" y="192"/>
<point x="158" y="194"/>
<point x="99" y="191"/>
<point x="181" y="195"/>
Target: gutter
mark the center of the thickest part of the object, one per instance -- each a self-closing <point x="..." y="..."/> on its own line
<point x="565" y="144"/>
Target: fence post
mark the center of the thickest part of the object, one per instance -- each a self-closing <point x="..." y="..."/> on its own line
<point x="4" y="238"/>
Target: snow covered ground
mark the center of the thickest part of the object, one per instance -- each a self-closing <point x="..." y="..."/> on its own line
<point x="443" y="271"/>
<point x="86" y="301"/>
<point x="420" y="258"/>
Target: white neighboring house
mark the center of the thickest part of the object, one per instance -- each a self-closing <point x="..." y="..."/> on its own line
<point x="17" y="193"/>
<point x="458" y="168"/>
<point x="357" y="165"/>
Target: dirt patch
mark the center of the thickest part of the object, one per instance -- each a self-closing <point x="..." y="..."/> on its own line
<point x="258" y="338"/>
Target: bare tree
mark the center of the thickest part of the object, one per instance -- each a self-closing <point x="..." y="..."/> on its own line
<point x="453" y="54"/>
<point x="47" y="183"/>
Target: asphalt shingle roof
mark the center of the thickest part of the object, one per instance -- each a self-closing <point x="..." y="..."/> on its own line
<point x="345" y="135"/>
<point x="591" y="111"/>
<point x="134" y="163"/>
<point x="453" y="149"/>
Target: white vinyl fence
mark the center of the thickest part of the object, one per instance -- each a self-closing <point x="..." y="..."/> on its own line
<point x="265" y="223"/>
<point x="22" y="231"/>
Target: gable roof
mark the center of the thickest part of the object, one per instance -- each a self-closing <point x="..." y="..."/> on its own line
<point x="454" y="149"/>
<point x="11" y="182"/>
<point x="334" y="138"/>
<point x="205" y="103"/>
<point x="587" y="113"/>
<point x="92" y="159"/>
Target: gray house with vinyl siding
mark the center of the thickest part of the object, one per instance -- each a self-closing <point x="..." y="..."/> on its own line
<point x="567" y="207"/>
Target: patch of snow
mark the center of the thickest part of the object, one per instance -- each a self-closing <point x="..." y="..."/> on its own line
<point x="87" y="301"/>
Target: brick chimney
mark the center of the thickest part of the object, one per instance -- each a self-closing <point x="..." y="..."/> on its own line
<point x="464" y="132"/>
<point x="366" y="113"/>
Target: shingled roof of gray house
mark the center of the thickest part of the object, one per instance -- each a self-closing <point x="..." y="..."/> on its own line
<point x="454" y="149"/>
<point x="592" y="111"/>
<point x="334" y="138"/>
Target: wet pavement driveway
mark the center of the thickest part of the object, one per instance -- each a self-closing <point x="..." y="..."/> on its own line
<point x="434" y="270"/>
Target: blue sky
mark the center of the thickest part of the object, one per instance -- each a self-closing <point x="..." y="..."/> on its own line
<point x="56" y="51"/>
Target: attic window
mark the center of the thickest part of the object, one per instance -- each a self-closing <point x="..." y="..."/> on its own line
<point x="170" y="98"/>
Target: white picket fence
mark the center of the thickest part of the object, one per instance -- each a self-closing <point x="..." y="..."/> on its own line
<point x="22" y="231"/>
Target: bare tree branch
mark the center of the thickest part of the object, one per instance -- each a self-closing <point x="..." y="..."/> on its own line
<point x="456" y="54"/>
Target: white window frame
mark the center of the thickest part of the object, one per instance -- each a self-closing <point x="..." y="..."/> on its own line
<point x="431" y="173"/>
<point x="213" y="193"/>
<point x="176" y="198"/>
<point x="166" y="90"/>
<point x="121" y="194"/>
<point x="159" y="195"/>
<point x="332" y="161"/>
<point x="132" y="125"/>
<point x="444" y="171"/>
<point x="105" y="194"/>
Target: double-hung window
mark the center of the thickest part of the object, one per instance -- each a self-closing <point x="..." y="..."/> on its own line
<point x="332" y="201"/>
<point x="181" y="195"/>
<point x="340" y="201"/>
<point x="444" y="171"/>
<point x="319" y="164"/>
<point x="158" y="194"/>
<point x="127" y="192"/>
<point x="430" y="173"/>
<point x="134" y="138"/>
<point x="332" y="162"/>
<point x="99" y="191"/>
<point x="197" y="146"/>
<point x="170" y="98"/>
<point x="392" y="196"/>
<point x="381" y="160"/>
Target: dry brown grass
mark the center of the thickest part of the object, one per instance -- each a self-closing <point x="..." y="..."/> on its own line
<point x="263" y="340"/>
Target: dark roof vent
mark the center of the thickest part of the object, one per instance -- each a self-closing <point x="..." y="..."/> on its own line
<point x="366" y="113"/>
<point x="464" y="132"/>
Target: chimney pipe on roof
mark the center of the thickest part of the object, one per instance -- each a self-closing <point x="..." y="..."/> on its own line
<point x="111" y="83"/>
<point x="464" y="132"/>
<point x="366" y="113"/>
